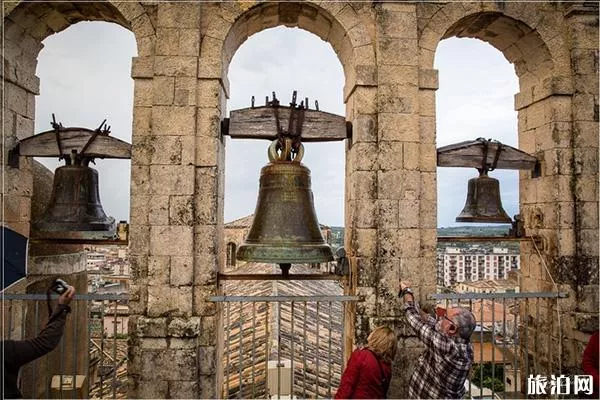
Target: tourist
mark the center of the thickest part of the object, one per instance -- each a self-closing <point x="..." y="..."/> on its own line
<point x="442" y="369"/>
<point x="369" y="369"/>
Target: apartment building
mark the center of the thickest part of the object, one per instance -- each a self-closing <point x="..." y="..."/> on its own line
<point x="456" y="265"/>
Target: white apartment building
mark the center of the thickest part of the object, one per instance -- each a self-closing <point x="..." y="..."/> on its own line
<point x="95" y="261"/>
<point x="464" y="265"/>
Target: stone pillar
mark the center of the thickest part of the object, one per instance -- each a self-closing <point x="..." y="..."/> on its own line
<point x="169" y="355"/>
<point x="18" y="93"/>
<point x="387" y="178"/>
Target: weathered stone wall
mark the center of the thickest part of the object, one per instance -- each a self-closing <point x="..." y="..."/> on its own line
<point x="387" y="52"/>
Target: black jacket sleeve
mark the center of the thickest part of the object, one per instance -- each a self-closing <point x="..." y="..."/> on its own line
<point x="20" y="352"/>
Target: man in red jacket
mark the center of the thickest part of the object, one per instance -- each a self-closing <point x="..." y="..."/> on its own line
<point x="19" y="352"/>
<point x="590" y="361"/>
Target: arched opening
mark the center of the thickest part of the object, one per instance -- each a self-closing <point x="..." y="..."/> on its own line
<point x="81" y="86"/>
<point x="275" y="60"/>
<point x="474" y="99"/>
<point x="541" y="103"/>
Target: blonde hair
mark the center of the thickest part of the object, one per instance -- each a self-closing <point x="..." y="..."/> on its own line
<point x="382" y="341"/>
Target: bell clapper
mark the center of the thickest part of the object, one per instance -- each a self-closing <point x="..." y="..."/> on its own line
<point x="285" y="269"/>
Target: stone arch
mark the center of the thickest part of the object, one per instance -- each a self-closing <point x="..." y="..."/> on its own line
<point x="535" y="54"/>
<point x="26" y="25"/>
<point x="337" y="23"/>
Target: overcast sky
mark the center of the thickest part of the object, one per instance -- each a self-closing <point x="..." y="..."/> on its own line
<point x="84" y="84"/>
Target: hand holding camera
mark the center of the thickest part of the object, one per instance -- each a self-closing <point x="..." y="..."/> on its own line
<point x="65" y="291"/>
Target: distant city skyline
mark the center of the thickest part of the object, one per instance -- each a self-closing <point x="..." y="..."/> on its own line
<point x="81" y="87"/>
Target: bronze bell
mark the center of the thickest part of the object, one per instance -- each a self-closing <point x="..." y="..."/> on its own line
<point x="75" y="202"/>
<point x="483" y="202"/>
<point x="285" y="229"/>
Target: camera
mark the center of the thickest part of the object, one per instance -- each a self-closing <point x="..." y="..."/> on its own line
<point x="59" y="286"/>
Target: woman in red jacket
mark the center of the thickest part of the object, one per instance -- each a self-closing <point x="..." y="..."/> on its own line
<point x="369" y="369"/>
<point x="590" y="362"/>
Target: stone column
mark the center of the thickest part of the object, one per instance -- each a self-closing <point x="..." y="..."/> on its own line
<point x="167" y="346"/>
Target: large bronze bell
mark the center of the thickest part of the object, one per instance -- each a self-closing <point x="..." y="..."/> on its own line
<point x="285" y="229"/>
<point x="483" y="202"/>
<point x="75" y="202"/>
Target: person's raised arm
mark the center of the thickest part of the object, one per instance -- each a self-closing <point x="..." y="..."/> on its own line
<point x="24" y="351"/>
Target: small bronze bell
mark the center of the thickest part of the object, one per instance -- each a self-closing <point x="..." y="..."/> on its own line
<point x="75" y="202"/>
<point x="285" y="229"/>
<point x="483" y="202"/>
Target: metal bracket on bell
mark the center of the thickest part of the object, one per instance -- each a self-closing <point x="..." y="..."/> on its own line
<point x="287" y="153"/>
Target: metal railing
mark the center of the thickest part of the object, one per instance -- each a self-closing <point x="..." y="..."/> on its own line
<point x="276" y="346"/>
<point x="506" y="341"/>
<point x="90" y="359"/>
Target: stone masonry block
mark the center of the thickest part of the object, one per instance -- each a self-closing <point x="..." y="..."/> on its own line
<point x="167" y="42"/>
<point x="207" y="360"/>
<point x="142" y="122"/>
<point x="147" y="388"/>
<point x="142" y="67"/>
<point x="165" y="300"/>
<point x="189" y="42"/>
<point x="151" y="327"/>
<point x="363" y="185"/>
<point x="171" y="240"/>
<point x="365" y="214"/>
<point x="185" y="91"/>
<point x="392" y="99"/>
<point x="188" y="152"/>
<point x="207" y="387"/>
<point x="398" y="127"/>
<point x="184" y="327"/>
<point x="146" y="48"/>
<point x="170" y="364"/>
<point x="178" y="15"/>
<point x="428" y="213"/>
<point x="411" y="155"/>
<point x="182" y="271"/>
<point x="176" y="65"/>
<point x="364" y="128"/>
<point x="390" y="155"/>
<point x="23" y="127"/>
<point x="427" y="103"/>
<point x="406" y="76"/>
<point x="172" y="180"/>
<point x="139" y="239"/>
<point x="408" y="214"/>
<point x="206" y="201"/>
<point x="158" y="210"/>
<point x="181" y="210"/>
<point x="390" y="184"/>
<point x="393" y="24"/>
<point x="363" y="156"/>
<point x="209" y="122"/>
<point x="163" y="90"/>
<point x="365" y="242"/>
<point x="166" y="150"/>
<point x="364" y="100"/>
<point x="427" y="157"/>
<point x="208" y="333"/>
<point x="158" y="270"/>
<point x="184" y="390"/>
<point x="388" y="214"/>
<point x="367" y="271"/>
<point x="142" y="92"/>
<point x="208" y="93"/>
<point x="202" y="306"/>
<point x="396" y="51"/>
<point x="16" y="97"/>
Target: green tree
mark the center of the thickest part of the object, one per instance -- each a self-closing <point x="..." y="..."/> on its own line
<point x="496" y="384"/>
